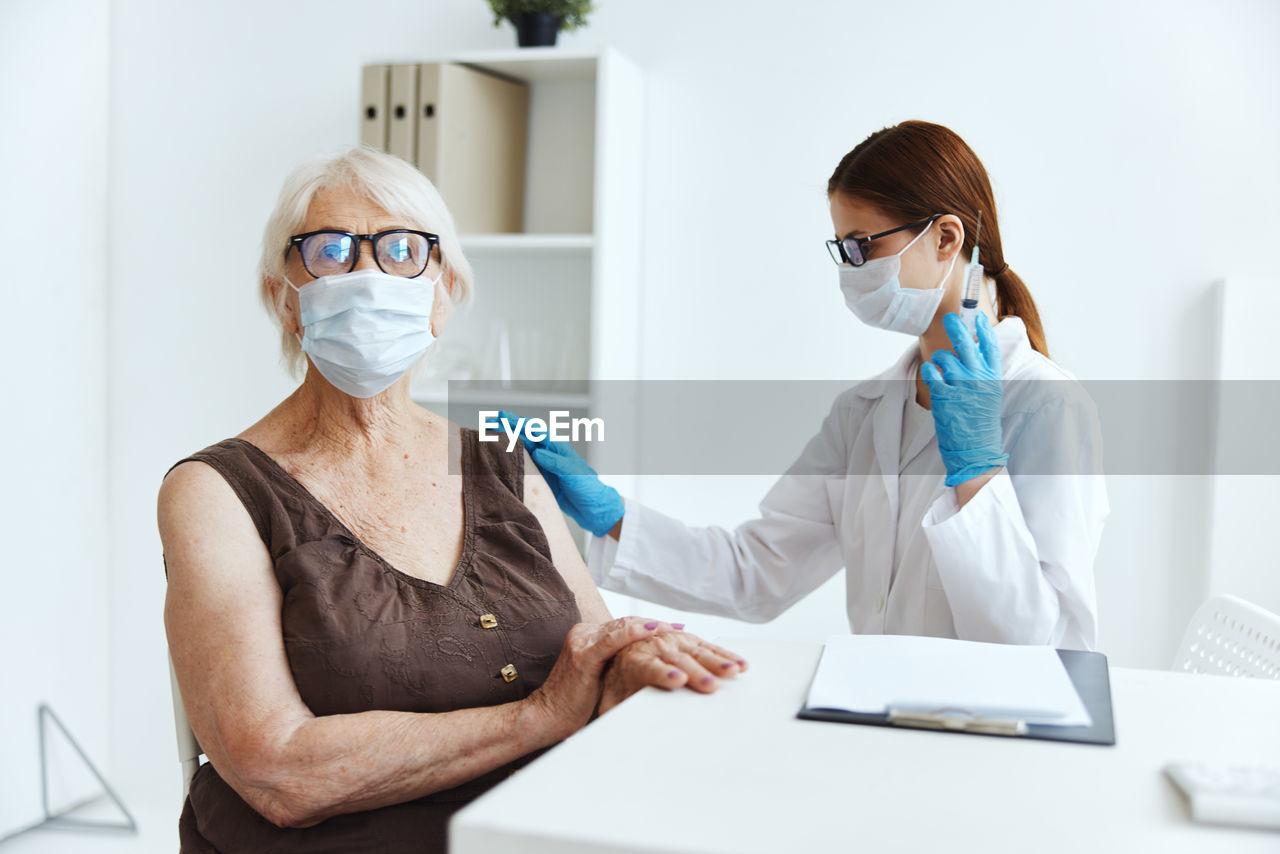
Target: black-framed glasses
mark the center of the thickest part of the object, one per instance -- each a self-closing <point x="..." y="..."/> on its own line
<point x="852" y="250"/>
<point x="397" y="251"/>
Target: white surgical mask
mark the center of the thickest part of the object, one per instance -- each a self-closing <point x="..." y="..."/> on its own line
<point x="875" y="295"/>
<point x="365" y="329"/>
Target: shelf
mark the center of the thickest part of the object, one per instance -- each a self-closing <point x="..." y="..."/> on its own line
<point x="529" y="64"/>
<point x="535" y="64"/>
<point x="527" y="242"/>
<point x="503" y="398"/>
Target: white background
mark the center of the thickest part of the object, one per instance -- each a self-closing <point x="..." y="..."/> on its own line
<point x="54" y="611"/>
<point x="1132" y="146"/>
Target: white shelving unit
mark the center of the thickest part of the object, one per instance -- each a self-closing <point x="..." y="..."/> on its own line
<point x="564" y="293"/>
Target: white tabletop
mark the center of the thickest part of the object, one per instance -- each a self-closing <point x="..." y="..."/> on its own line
<point x="737" y="772"/>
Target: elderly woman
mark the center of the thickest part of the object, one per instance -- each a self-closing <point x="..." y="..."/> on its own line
<point x="372" y="624"/>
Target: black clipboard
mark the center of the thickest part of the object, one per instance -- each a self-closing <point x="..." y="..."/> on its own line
<point x="1089" y="675"/>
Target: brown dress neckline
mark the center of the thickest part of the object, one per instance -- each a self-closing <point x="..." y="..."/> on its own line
<point x="468" y="527"/>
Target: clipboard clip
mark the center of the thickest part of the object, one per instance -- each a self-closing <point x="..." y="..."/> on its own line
<point x="957" y="720"/>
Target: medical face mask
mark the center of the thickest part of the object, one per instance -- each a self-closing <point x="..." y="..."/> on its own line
<point x="875" y="295"/>
<point x="363" y="330"/>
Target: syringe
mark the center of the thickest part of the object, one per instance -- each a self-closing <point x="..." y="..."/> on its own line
<point x="972" y="284"/>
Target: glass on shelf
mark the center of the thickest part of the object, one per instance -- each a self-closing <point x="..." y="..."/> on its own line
<point x="534" y="357"/>
<point x="528" y="362"/>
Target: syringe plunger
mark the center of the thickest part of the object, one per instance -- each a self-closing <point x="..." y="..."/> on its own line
<point x="973" y="275"/>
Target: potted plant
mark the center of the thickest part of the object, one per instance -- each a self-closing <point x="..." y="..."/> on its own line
<point x="537" y="22"/>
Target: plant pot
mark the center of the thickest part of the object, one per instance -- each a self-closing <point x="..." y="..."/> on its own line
<point x="536" y="29"/>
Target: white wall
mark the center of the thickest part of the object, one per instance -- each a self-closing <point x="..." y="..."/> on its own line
<point x="1242" y="555"/>
<point x="53" y="204"/>
<point x="1131" y="144"/>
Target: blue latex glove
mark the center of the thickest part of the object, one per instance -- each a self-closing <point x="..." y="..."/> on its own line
<point x="966" y="389"/>
<point x="576" y="486"/>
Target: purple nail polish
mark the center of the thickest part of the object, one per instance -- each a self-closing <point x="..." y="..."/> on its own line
<point x="741" y="663"/>
<point x="677" y="626"/>
<point x="651" y="626"/>
<point x="727" y="664"/>
<point x="672" y="674"/>
<point x="707" y="680"/>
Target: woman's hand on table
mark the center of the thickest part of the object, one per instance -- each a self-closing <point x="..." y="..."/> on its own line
<point x="565" y="701"/>
<point x="668" y="660"/>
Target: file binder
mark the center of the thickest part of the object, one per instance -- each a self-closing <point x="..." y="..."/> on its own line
<point x="373" y="106"/>
<point x="1088" y="673"/>
<point x="471" y="139"/>
<point x="402" y="99"/>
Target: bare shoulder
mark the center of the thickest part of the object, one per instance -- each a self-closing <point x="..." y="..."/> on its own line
<point x="204" y="528"/>
<point x="190" y="488"/>
<point x="189" y="476"/>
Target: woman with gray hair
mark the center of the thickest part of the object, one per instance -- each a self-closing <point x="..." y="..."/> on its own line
<point x="374" y="617"/>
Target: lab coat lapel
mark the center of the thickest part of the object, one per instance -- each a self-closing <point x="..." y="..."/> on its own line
<point x="871" y="568"/>
<point x="886" y="423"/>
<point x="887" y="427"/>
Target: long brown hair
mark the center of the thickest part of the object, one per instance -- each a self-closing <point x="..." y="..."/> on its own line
<point x="916" y="169"/>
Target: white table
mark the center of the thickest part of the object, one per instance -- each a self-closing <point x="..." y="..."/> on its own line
<point x="737" y="772"/>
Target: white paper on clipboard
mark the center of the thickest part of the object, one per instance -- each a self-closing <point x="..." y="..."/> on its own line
<point x="875" y="674"/>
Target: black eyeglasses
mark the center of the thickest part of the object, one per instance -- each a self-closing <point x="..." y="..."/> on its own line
<point x="852" y="250"/>
<point x="397" y="251"/>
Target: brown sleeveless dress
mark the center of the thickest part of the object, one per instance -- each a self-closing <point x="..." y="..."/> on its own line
<point x="361" y="635"/>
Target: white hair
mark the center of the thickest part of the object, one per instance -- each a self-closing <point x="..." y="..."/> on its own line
<point x="393" y="184"/>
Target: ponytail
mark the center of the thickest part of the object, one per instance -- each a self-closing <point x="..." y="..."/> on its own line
<point x="1014" y="300"/>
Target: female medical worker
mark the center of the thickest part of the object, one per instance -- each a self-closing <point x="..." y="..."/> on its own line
<point x="961" y="506"/>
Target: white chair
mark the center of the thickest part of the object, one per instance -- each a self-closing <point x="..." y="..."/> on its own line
<point x="189" y="751"/>
<point x="1231" y="637"/>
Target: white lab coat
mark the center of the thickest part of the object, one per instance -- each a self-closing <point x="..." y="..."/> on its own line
<point x="1014" y="565"/>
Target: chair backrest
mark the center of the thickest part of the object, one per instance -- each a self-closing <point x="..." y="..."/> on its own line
<point x="189" y="751"/>
<point x="1231" y="637"/>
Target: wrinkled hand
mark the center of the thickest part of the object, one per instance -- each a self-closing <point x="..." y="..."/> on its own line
<point x="966" y="393"/>
<point x="571" y="691"/>
<point x="668" y="661"/>
<point x="577" y="488"/>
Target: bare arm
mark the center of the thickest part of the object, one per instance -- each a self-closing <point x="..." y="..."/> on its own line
<point x="564" y="553"/>
<point x="222" y="617"/>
